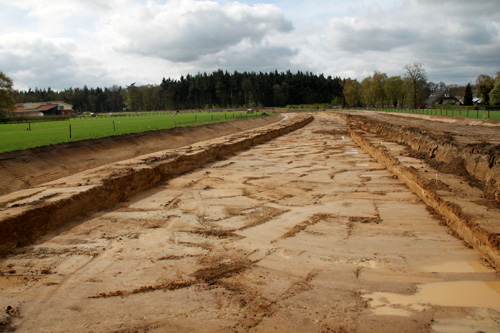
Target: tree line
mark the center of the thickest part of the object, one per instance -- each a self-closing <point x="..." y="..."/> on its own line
<point x="379" y="90"/>
<point x="219" y="89"/>
<point x="412" y="89"/>
<point x="222" y="89"/>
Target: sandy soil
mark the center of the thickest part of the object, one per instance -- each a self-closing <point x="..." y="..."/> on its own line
<point x="28" y="168"/>
<point x="305" y="233"/>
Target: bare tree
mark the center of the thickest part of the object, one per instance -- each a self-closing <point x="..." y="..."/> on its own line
<point x="416" y="73"/>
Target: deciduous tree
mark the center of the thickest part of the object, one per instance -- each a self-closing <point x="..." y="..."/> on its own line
<point x="416" y="74"/>
<point x="495" y="93"/>
<point x="366" y="91"/>
<point x="394" y="90"/>
<point x="377" y="88"/>
<point x="7" y="102"/>
<point x="484" y="84"/>
<point x="352" y="93"/>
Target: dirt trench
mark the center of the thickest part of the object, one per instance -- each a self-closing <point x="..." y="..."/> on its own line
<point x="28" y="168"/>
<point x="304" y="232"/>
<point x="449" y="175"/>
<point x="27" y="215"/>
<point x="471" y="152"/>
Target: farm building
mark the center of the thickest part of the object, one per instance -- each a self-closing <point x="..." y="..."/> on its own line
<point x="39" y="109"/>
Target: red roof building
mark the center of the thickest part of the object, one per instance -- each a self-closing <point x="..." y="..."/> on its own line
<point x="40" y="109"/>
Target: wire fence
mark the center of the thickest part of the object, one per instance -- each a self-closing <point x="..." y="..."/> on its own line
<point x="462" y="113"/>
<point x="29" y="134"/>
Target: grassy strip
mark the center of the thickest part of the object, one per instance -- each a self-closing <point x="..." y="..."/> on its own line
<point x="307" y="107"/>
<point x="35" y="134"/>
<point x="461" y="113"/>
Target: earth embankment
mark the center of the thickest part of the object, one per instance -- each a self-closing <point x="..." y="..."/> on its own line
<point x="26" y="168"/>
<point x="28" y="214"/>
<point x="468" y="151"/>
<point x="454" y="168"/>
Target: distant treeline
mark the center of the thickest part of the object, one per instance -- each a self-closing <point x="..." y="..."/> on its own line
<point x="219" y="89"/>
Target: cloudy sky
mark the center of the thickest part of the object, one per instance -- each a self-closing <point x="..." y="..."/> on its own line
<point x="98" y="43"/>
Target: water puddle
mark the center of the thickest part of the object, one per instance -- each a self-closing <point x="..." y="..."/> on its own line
<point x="480" y="294"/>
<point x="285" y="117"/>
<point x="458" y="267"/>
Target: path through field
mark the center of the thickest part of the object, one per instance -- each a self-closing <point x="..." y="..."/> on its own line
<point x="305" y="233"/>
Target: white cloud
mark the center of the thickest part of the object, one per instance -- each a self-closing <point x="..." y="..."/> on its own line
<point x="34" y="60"/>
<point x="184" y="31"/>
<point x="443" y="35"/>
<point x="248" y="56"/>
<point x="58" y="9"/>
<point x="61" y="43"/>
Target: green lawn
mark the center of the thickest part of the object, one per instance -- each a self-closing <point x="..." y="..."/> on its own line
<point x="17" y="136"/>
<point x="462" y="113"/>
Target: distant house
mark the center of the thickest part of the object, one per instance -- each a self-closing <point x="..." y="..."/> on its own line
<point x="40" y="109"/>
<point x="441" y="96"/>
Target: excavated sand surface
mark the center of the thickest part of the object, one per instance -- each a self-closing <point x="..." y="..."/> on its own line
<point x="27" y="168"/>
<point x="305" y="233"/>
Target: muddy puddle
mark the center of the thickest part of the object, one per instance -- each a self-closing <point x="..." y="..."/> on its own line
<point x="458" y="267"/>
<point x="480" y="294"/>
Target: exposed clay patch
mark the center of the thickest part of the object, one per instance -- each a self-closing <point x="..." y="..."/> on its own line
<point x="169" y="285"/>
<point x="356" y="219"/>
<point x="222" y="270"/>
<point x="217" y="233"/>
<point x="302" y="226"/>
<point x="260" y="216"/>
<point x="257" y="308"/>
<point x="213" y="273"/>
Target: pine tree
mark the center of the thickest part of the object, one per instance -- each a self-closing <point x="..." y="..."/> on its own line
<point x="468" y="95"/>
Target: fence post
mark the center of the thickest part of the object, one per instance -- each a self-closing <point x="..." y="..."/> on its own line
<point x="70" y="131"/>
<point x="114" y="128"/>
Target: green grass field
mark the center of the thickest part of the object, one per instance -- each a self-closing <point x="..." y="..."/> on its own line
<point x="17" y="136"/>
<point x="462" y="113"/>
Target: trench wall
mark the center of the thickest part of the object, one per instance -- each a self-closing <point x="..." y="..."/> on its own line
<point x="488" y="244"/>
<point x="27" y="168"/>
<point x="480" y="161"/>
<point x="21" y="226"/>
